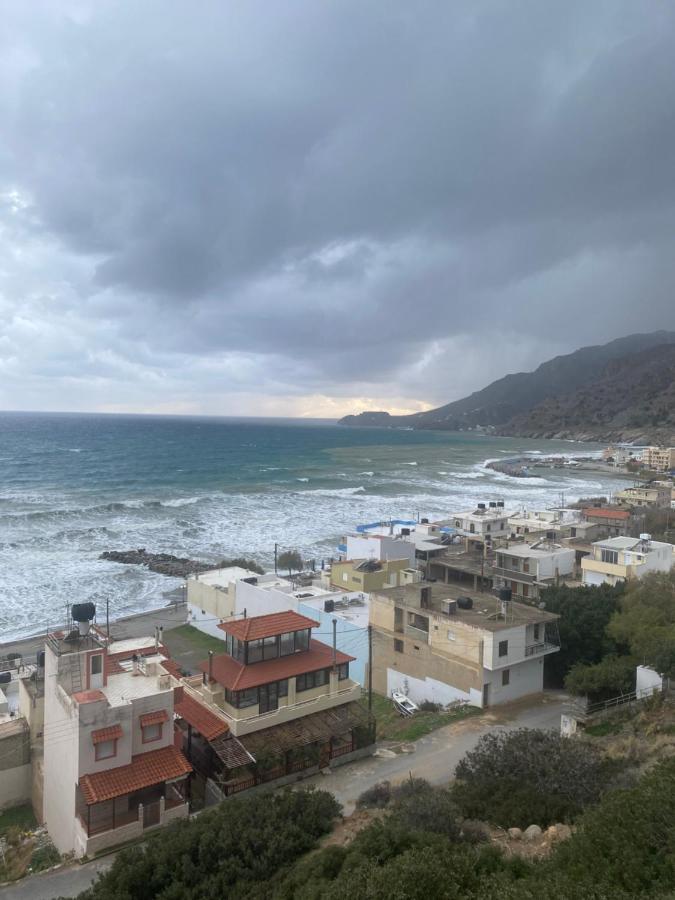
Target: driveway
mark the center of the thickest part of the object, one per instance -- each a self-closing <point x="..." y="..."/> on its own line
<point x="433" y="757"/>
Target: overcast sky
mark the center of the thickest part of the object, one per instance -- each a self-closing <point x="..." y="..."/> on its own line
<point x="313" y="208"/>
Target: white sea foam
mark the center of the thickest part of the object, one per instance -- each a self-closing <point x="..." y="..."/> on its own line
<point x="369" y="474"/>
<point x="302" y="479"/>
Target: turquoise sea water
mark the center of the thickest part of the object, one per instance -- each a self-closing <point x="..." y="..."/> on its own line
<point x="72" y="486"/>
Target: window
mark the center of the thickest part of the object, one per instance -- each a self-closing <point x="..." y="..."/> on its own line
<point x="97" y="664"/>
<point x="458" y="523"/>
<point x="343" y="671"/>
<point x="526" y="591"/>
<point x="609" y="556"/>
<point x="151" y="733"/>
<point x="254" y="651"/>
<point x="302" y="640"/>
<point x="283" y="688"/>
<point x="526" y="566"/>
<point x="514" y="563"/>
<point x="503" y="648"/>
<point x="451" y="636"/>
<point x="398" y="646"/>
<point x="105" y="750"/>
<point x="242" y="699"/>
<point x="488" y="527"/>
<point x="345" y="576"/>
<point x="419" y="622"/>
<point x="287" y="644"/>
<point x="472" y="528"/>
<point x="506" y="677"/>
<point x="573" y="532"/>
<point x="311" y="680"/>
<point x="270" y="648"/>
<point x="536" y="632"/>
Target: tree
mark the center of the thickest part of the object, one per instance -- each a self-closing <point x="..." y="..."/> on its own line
<point x="242" y="563"/>
<point x="612" y="676"/>
<point x="645" y="622"/>
<point x="528" y="776"/>
<point x="584" y="615"/>
<point x="291" y="560"/>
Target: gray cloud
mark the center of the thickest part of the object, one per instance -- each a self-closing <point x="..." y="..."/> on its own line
<point x="339" y="199"/>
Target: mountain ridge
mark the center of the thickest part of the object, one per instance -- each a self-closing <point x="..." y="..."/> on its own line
<point x="520" y="404"/>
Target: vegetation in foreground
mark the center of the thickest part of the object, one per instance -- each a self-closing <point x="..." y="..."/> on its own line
<point x="392" y="726"/>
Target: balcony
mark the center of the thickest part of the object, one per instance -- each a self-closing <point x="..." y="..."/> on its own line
<point x="514" y="575"/>
<point x="540" y="648"/>
<point x="417" y="634"/>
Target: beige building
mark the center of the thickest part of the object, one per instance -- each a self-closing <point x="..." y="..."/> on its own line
<point x="111" y="770"/>
<point x="527" y="568"/>
<point x="659" y="459"/>
<point x="654" y="494"/>
<point x="624" y="558"/>
<point x="371" y="574"/>
<point x="212" y="595"/>
<point x="430" y="647"/>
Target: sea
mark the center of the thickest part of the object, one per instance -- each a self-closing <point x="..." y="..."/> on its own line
<point x="72" y="486"/>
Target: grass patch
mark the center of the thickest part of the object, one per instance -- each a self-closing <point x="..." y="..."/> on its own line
<point x="193" y="638"/>
<point x="44" y="858"/>
<point x="604" y="728"/>
<point x="21" y="817"/>
<point x="391" y="726"/>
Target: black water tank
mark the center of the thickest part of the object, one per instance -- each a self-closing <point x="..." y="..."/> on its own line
<point x="5" y="677"/>
<point x="505" y="595"/>
<point x="41" y="659"/>
<point x="465" y="602"/>
<point x="425" y="522"/>
<point x="328" y="606"/>
<point x="83" y="612"/>
<point x="405" y="532"/>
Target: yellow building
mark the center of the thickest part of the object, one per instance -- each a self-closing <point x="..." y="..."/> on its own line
<point x="371" y="574"/>
<point x="621" y="559"/>
<point x="659" y="459"/>
<point x="658" y="494"/>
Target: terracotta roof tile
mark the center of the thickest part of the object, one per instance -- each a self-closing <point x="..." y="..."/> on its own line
<point x="89" y="696"/>
<point x="257" y="627"/>
<point x="153" y="718"/>
<point x="143" y="771"/>
<point x="603" y="513"/>
<point x="237" y="677"/>
<point x="111" y="733"/>
<point x="206" y="722"/>
<point x="172" y="667"/>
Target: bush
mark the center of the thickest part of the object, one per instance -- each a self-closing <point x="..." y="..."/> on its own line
<point x="613" y="676"/>
<point x="375" y="797"/>
<point x="430" y="706"/>
<point x="427" y="809"/>
<point x="524" y="777"/>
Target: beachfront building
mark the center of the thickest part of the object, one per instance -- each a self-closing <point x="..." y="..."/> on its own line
<point x="431" y="646"/>
<point x="371" y="574"/>
<point x="15" y="757"/>
<point x="483" y="525"/>
<point x="616" y="521"/>
<point x="370" y="545"/>
<point x="211" y="596"/>
<point x="533" y="525"/>
<point x="528" y="568"/>
<point x="624" y="558"/>
<point x="652" y="494"/>
<point x="659" y="459"/>
<point x="621" y="456"/>
<point x="111" y="770"/>
<point x="287" y="698"/>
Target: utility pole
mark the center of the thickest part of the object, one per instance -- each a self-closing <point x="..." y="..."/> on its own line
<point x="107" y="617"/>
<point x="370" y="669"/>
<point x="276" y="551"/>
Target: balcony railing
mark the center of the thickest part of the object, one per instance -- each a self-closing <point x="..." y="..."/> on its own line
<point x="514" y="575"/>
<point x="417" y="633"/>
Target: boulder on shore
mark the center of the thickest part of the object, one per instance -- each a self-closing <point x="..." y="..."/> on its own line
<point x="532" y="833"/>
<point x="516" y="834"/>
<point x="162" y="563"/>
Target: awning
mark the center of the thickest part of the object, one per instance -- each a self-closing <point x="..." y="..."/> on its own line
<point x="202" y="719"/>
<point x="112" y="733"/>
<point x="230" y="752"/>
<point x="145" y="770"/>
<point x="154" y="718"/>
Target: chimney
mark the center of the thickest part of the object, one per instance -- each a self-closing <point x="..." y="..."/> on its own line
<point x="210" y="665"/>
<point x="135" y="668"/>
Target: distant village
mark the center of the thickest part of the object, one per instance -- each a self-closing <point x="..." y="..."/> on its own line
<point x="269" y="677"/>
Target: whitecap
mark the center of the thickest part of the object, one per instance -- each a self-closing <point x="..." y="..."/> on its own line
<point x="410" y="464"/>
<point x="369" y="474"/>
<point x="302" y="479"/>
<point x="181" y="501"/>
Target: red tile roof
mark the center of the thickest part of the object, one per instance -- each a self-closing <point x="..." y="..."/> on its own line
<point x="206" y="722"/>
<point x="603" y="513"/>
<point x="89" y="696"/>
<point x="143" y="771"/>
<point x="267" y="626"/>
<point x="154" y="718"/>
<point x="111" y="733"/>
<point x="172" y="667"/>
<point x="237" y="677"/>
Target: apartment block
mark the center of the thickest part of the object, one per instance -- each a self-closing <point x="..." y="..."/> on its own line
<point x="624" y="558"/>
<point x="528" y="568"/>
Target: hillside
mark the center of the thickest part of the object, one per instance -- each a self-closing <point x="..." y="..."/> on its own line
<point x="633" y="399"/>
<point x="507" y="404"/>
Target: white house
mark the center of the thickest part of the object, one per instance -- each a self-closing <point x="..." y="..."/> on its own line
<point x="527" y="568"/>
<point x="623" y="558"/>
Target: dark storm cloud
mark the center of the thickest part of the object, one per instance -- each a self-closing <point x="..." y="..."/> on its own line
<point x="359" y="195"/>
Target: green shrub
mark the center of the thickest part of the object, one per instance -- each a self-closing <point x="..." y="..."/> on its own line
<point x="528" y="776"/>
<point x="375" y="797"/>
<point x="613" y="676"/>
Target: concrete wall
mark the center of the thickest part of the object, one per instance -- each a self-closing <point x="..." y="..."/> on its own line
<point x="379" y="547"/>
<point x="561" y="563"/>
<point x="15" y="784"/>
<point x="647" y="681"/>
<point x="421" y="689"/>
<point x="524" y="678"/>
<point x="351" y="638"/>
<point x="60" y="759"/>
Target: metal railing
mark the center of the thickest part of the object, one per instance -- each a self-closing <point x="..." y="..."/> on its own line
<point x="541" y="647"/>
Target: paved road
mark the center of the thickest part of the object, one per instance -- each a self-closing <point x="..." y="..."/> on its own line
<point x="434" y="758"/>
<point x="436" y="755"/>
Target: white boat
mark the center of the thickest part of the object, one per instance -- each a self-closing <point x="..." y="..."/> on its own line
<point x="403" y="704"/>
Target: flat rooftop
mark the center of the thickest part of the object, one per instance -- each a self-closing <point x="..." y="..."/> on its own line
<point x="124" y="687"/>
<point x="531" y="550"/>
<point x="485" y="614"/>
<point x="223" y="577"/>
